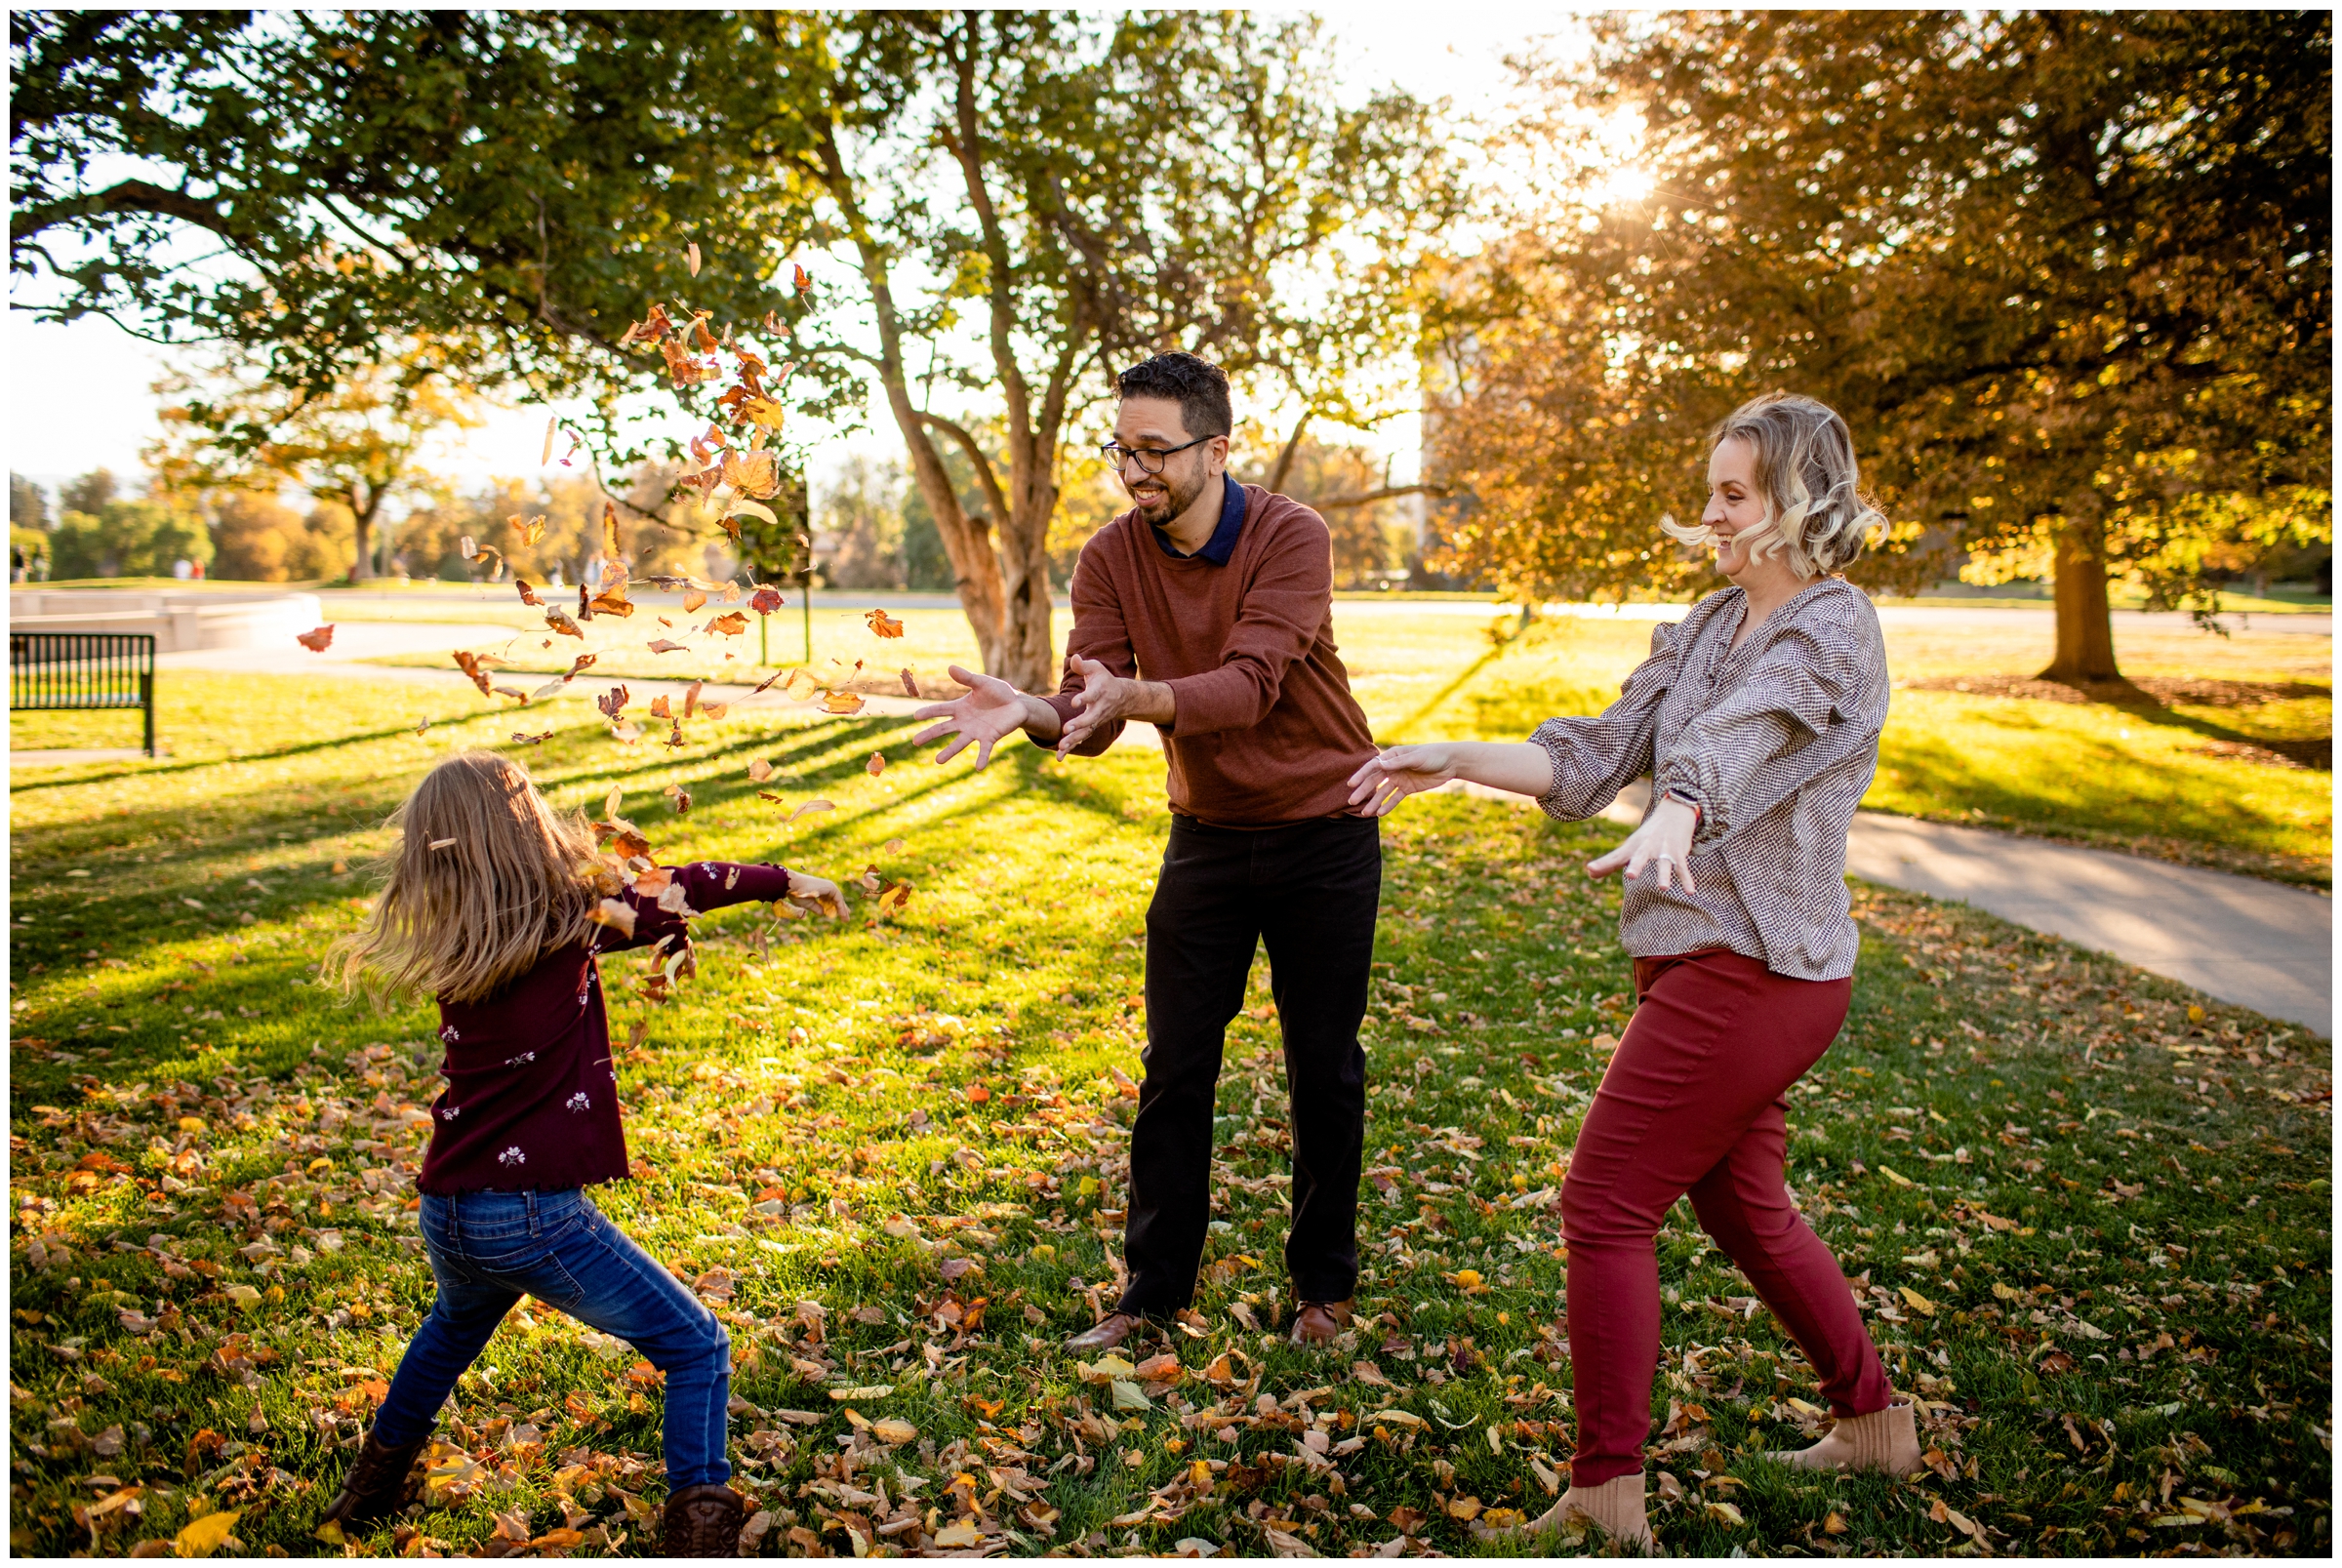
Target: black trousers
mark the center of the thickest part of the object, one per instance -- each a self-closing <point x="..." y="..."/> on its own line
<point x="1310" y="893"/>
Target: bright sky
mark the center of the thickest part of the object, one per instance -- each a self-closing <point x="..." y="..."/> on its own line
<point x="79" y="396"/>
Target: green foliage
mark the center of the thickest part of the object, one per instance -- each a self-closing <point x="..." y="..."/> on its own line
<point x="127" y="539"/>
<point x="2066" y="274"/>
<point x="27" y="505"/>
<point x="2096" y="1170"/>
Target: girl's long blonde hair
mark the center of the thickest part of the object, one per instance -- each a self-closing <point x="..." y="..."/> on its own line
<point x="483" y="882"/>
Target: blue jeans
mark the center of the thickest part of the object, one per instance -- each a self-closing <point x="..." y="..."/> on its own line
<point x="489" y="1249"/>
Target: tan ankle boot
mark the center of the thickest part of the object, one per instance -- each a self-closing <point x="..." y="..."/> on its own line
<point x="1883" y="1440"/>
<point x="1615" y="1505"/>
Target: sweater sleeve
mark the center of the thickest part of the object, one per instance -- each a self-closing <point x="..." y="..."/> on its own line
<point x="1594" y="758"/>
<point x="1284" y="608"/>
<point x="706" y="885"/>
<point x="1099" y="633"/>
<point x="1805" y="681"/>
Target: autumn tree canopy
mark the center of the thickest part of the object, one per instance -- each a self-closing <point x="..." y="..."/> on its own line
<point x="2067" y="274"/>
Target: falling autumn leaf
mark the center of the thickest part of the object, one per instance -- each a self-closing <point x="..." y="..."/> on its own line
<point x="911" y="687"/>
<point x="528" y="595"/>
<point x="731" y="624"/>
<point x="884" y="625"/>
<point x="893" y="846"/>
<point x="808" y="806"/>
<point x="842" y="702"/>
<point x="678" y="798"/>
<point x="691" y="697"/>
<point x="764" y="601"/>
<point x="714" y="711"/>
<point x="610" y="703"/>
<point x="558" y="619"/>
<point x="552" y="688"/>
<point x="532" y="531"/>
<point x="691" y="258"/>
<point x="693" y="599"/>
<point x="316" y="641"/>
<point x="803" y="279"/>
<point x="520" y="739"/>
<point x="759" y="771"/>
<point x="659" y="708"/>
<point x="577" y="665"/>
<point x="875" y="766"/>
<point x="659" y="645"/>
<point x="553" y="422"/>
<point x="616" y="913"/>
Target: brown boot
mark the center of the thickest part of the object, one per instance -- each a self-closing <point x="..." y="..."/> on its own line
<point x="1882" y="1440"/>
<point x="375" y="1488"/>
<point x="704" y="1521"/>
<point x="1111" y="1332"/>
<point x="1317" y="1322"/>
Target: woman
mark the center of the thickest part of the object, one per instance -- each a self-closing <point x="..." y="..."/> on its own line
<point x="1758" y="718"/>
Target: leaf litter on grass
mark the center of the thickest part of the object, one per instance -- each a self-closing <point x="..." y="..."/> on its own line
<point x="928" y="1121"/>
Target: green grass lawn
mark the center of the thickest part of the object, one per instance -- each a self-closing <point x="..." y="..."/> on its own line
<point x="2087" y="1211"/>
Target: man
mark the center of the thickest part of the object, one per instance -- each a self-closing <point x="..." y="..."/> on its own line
<point x="1205" y="611"/>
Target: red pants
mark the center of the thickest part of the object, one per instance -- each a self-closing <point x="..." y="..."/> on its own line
<point x="1694" y="1101"/>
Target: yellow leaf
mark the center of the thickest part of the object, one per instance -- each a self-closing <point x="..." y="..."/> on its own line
<point x="1894" y="1176"/>
<point x="1918" y="1302"/>
<point x="1725" y="1513"/>
<point x="877" y="1390"/>
<point x="2006" y="1291"/>
<point x="200" y="1538"/>
<point x="958" y="1532"/>
<point x="893" y="1432"/>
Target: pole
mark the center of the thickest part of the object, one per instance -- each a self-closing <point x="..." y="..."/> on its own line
<point x="806" y="599"/>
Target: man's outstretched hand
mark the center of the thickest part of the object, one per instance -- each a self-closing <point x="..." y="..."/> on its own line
<point x="990" y="712"/>
<point x="1105" y="697"/>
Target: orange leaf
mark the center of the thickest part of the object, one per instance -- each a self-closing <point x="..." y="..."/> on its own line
<point x="691" y="258"/>
<point x="877" y="765"/>
<point x="884" y="625"/>
<point x="520" y="739"/>
<point x="911" y="687"/>
<point x="659" y="645"/>
<point x="316" y="641"/>
<point x="842" y="702"/>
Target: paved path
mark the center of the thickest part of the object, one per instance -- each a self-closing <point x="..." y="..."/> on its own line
<point x="2260" y="945"/>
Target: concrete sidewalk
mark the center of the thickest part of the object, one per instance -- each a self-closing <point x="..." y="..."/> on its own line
<point x="2260" y="945"/>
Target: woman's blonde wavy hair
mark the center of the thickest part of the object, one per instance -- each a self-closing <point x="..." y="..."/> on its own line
<point x="1814" y="508"/>
<point x="483" y="882"/>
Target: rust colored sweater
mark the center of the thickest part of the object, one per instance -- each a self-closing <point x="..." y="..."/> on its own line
<point x="1266" y="730"/>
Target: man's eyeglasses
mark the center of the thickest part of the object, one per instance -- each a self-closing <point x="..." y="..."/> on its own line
<point x="1150" y="461"/>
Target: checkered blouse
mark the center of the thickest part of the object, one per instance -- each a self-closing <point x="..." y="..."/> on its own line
<point x="1777" y="741"/>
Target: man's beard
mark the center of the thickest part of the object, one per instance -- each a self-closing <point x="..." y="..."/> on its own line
<point x="1177" y="499"/>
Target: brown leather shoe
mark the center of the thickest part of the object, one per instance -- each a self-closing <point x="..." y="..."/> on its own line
<point x="704" y="1521"/>
<point x="1111" y="1331"/>
<point x="1317" y="1322"/>
<point x="375" y="1488"/>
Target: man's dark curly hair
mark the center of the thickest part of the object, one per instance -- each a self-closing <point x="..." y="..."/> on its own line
<point x="1198" y="385"/>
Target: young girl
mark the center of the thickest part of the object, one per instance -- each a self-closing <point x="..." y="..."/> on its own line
<point x="487" y="909"/>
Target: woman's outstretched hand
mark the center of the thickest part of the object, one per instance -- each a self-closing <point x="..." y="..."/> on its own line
<point x="1401" y="771"/>
<point x="1662" y="846"/>
<point x="818" y="893"/>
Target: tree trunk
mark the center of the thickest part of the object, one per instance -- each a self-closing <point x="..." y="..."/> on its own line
<point x="361" y="525"/>
<point x="1027" y="651"/>
<point x="2085" y="627"/>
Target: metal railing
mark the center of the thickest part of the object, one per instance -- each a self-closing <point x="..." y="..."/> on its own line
<point x="82" y="669"/>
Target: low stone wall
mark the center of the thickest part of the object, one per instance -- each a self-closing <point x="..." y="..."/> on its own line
<point x="178" y="622"/>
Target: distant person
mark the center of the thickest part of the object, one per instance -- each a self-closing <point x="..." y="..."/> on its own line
<point x="16" y="563"/>
<point x="1758" y="718"/>
<point x="484" y="910"/>
<point x="182" y="569"/>
<point x="1206" y="611"/>
<point x="195" y="570"/>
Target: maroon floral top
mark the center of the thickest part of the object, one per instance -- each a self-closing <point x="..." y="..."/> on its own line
<point x="532" y="1094"/>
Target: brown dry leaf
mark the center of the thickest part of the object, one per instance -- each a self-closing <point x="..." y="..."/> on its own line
<point x="558" y="619"/>
<point x="316" y="641"/>
<point x="691" y="259"/>
<point x="875" y="766"/>
<point x="532" y="531"/>
<point x="911" y="687"/>
<point x="731" y="624"/>
<point x="578" y="664"/>
<point x="893" y="846"/>
<point x="842" y="702"/>
<point x="691" y="697"/>
<point x="625" y="732"/>
<point x="550" y="688"/>
<point x="528" y="595"/>
<point x="764" y="601"/>
<point x="884" y="625"/>
<point x="469" y="664"/>
<point x="674" y="737"/>
<point x="803" y="279"/>
<point x="808" y="806"/>
<point x="714" y="711"/>
<point x="659" y="708"/>
<point x="755" y="474"/>
<point x="553" y="422"/>
<point x="677" y="798"/>
<point x="616" y="913"/>
<point x="759" y="771"/>
<point x="659" y="645"/>
<point x="893" y="897"/>
<point x="610" y="703"/>
<point x="693" y="599"/>
<point x="518" y="695"/>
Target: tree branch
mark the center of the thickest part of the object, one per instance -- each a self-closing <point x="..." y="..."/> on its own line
<point x="126" y="196"/>
<point x="1284" y="459"/>
<point x="1387" y="493"/>
<point x="986" y="478"/>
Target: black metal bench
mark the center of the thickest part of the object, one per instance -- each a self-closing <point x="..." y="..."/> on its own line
<point x="82" y="669"/>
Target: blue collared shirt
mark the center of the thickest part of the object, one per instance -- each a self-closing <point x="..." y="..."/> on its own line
<point x="1222" y="542"/>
